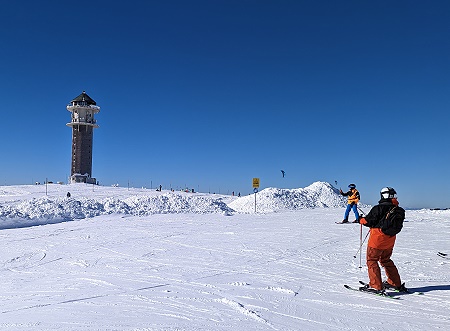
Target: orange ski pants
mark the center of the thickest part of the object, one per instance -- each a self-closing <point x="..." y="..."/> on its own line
<point x="383" y="256"/>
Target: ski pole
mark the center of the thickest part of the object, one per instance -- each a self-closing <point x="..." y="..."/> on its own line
<point x="354" y="256"/>
<point x="360" y="244"/>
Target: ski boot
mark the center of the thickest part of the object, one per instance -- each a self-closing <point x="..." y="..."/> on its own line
<point x="367" y="288"/>
<point x="401" y="288"/>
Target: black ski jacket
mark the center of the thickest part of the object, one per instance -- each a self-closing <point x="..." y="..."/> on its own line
<point x="378" y="212"/>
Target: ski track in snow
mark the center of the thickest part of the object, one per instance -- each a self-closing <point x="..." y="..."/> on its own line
<point x="243" y="310"/>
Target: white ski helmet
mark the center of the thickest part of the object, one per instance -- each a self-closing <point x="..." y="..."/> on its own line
<point x="388" y="193"/>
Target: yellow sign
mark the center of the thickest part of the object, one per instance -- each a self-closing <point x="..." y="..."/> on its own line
<point x="255" y="182"/>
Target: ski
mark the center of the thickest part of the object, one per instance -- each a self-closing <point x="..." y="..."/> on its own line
<point x="383" y="295"/>
<point x="443" y="255"/>
<point x="408" y="291"/>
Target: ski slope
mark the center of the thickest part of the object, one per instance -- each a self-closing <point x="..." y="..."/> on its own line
<point x="112" y="258"/>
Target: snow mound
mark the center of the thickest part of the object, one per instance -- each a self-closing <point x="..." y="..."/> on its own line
<point x="23" y="206"/>
<point x="316" y="195"/>
<point x="176" y="203"/>
<point x="37" y="211"/>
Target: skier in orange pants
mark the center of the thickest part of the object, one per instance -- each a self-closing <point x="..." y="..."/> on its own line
<point x="380" y="244"/>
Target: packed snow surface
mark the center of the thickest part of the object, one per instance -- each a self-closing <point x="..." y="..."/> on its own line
<point x="110" y="258"/>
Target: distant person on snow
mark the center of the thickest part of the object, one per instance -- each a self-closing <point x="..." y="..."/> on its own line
<point x="385" y="220"/>
<point x="352" y="202"/>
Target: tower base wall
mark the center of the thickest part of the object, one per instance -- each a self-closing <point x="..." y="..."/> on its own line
<point x="77" y="178"/>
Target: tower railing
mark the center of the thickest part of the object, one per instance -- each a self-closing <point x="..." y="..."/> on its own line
<point x="95" y="108"/>
<point x="83" y="120"/>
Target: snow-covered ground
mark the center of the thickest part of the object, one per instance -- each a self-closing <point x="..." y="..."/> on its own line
<point x="110" y="258"/>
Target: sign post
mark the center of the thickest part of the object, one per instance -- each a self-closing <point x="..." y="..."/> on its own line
<point x="255" y="188"/>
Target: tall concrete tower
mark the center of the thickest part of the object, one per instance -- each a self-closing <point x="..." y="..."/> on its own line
<point x="83" y="109"/>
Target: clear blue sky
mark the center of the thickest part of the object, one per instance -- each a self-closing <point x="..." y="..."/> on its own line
<point x="209" y="94"/>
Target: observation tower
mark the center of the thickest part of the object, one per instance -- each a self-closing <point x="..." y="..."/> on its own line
<point x="83" y="109"/>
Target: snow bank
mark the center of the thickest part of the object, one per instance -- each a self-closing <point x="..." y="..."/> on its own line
<point x="47" y="210"/>
<point x="22" y="206"/>
<point x="317" y="195"/>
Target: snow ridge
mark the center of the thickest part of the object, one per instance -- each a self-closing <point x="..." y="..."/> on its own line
<point x="45" y="210"/>
<point x="316" y="195"/>
<point x="22" y="206"/>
